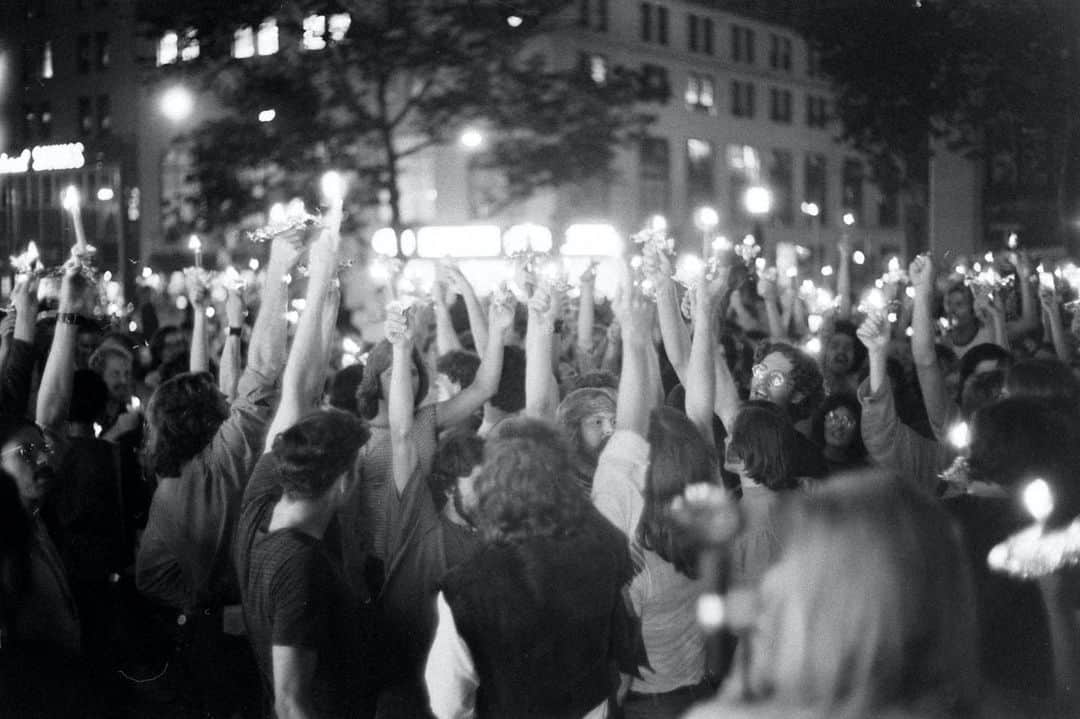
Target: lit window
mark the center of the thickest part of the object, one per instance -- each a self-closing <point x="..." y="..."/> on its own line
<point x="339" y="25"/>
<point x="314" y="32"/>
<point x="267" y="41"/>
<point x="167" y="49"/>
<point x="692" y="90"/>
<point x="46" y="61"/>
<point x="700" y="93"/>
<point x="190" y="49"/>
<point x="698" y="150"/>
<point x="243" y="42"/>
<point x="598" y="69"/>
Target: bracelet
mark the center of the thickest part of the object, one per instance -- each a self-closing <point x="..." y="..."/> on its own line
<point x="236" y="331"/>
<point x="68" y="318"/>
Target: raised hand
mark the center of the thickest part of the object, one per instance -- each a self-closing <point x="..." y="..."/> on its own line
<point x="501" y="314"/>
<point x="921" y="274"/>
<point x="234" y="307"/>
<point x="24" y="296"/>
<point x="656" y="266"/>
<point x="397" y="324"/>
<point x="874" y="333"/>
<point x="766" y="285"/>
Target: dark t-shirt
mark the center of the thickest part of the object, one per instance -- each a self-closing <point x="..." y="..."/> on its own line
<point x="294" y="595"/>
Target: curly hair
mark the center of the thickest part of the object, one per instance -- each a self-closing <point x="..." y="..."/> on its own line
<point x="459" y="365"/>
<point x="857" y="450"/>
<point x="806" y="377"/>
<point x="317" y="450"/>
<point x="678" y="457"/>
<point x="378" y="361"/>
<point x="523" y="489"/>
<point x="182" y="417"/>
<point x="458" y="454"/>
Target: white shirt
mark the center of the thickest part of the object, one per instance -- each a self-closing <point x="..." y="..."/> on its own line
<point x="619" y="482"/>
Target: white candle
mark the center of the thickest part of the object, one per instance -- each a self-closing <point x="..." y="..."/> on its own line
<point x="195" y="245"/>
<point x="71" y="201"/>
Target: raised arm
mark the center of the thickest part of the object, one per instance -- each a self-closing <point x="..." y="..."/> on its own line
<point x="586" y="319"/>
<point x="57" y="379"/>
<point x="266" y="353"/>
<point x="700" y="382"/>
<point x="400" y="402"/>
<point x="477" y="320"/>
<point x="1029" y="303"/>
<point x="469" y="400"/>
<point x="19" y="363"/>
<point x="446" y="338"/>
<point x="541" y="395"/>
<point x="673" y="330"/>
<point x="940" y="408"/>
<point x="635" y="314"/>
<point x="199" y="297"/>
<point x="301" y="384"/>
<point x="768" y="291"/>
<point x="1051" y="305"/>
<point x="843" y="278"/>
<point x="231" y="354"/>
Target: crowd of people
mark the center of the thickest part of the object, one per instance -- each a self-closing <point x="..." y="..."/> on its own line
<point x="658" y="504"/>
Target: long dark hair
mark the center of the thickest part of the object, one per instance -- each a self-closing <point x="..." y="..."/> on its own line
<point x="678" y="457"/>
<point x="16" y="533"/>
<point x="763" y="438"/>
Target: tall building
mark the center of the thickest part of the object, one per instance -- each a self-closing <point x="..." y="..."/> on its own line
<point x="745" y="107"/>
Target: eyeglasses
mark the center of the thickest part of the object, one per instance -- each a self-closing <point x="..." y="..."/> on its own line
<point x="30" y="451"/>
<point x="772" y="377"/>
<point x="841" y="419"/>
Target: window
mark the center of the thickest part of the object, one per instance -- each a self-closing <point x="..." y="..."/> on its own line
<point x="654" y="176"/>
<point x="782" y="183"/>
<point x="189" y="48"/>
<point x="593" y="15"/>
<point x="780" y="105"/>
<point x="744" y="171"/>
<point x="699" y="34"/>
<point x="266" y="42"/>
<point x="742" y="98"/>
<point x="314" y="32"/>
<point x="243" y="42"/>
<point x="339" y="26"/>
<point x="104" y="114"/>
<point x="813" y="62"/>
<point x="86" y="116"/>
<point x="700" y="188"/>
<point x="82" y="52"/>
<point x="654" y="23"/>
<point x="655" y="84"/>
<point x="168" y="49"/>
<point x="46" y="61"/>
<point x="101" y="54"/>
<point x="742" y="44"/>
<point x="779" y="52"/>
<point x="817" y="179"/>
<point x="852" y="187"/>
<point x="700" y="93"/>
<point x="817" y="111"/>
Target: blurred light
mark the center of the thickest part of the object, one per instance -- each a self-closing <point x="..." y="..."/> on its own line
<point x="292" y="317"/>
<point x="408" y="243"/>
<point x="757" y="200"/>
<point x="706" y="218"/>
<point x="1038" y="499"/>
<point x="721" y="244"/>
<point x="527" y="236"/>
<point x="1013" y="241"/>
<point x="858" y="257"/>
<point x="253" y="264"/>
<point x="749" y="240"/>
<point x="689" y="268"/>
<point x="299" y="304"/>
<point x="959" y="435"/>
<point x="177" y="103"/>
<point x="814" y="322"/>
<point x="760" y="264"/>
<point x="514" y="21"/>
<point x="892" y="317"/>
<point x="849" y="219"/>
<point x="458" y="241"/>
<point x="278" y="214"/>
<point x="813" y="346"/>
<point x="194" y="243"/>
<point x="989" y="257"/>
<point x="910" y="331"/>
<point x="267" y="115"/>
<point x="210" y="312"/>
<point x="69" y="198"/>
<point x="592" y="240"/>
<point x="471" y="139"/>
<point x="384" y="242"/>
<point x="105" y="194"/>
<point x="332" y="185"/>
<point x="792" y="273"/>
<point x="133" y="326"/>
<point x="826" y="271"/>
<point x="181" y="302"/>
<point x="147" y="273"/>
<point x="658" y="223"/>
<point x="910" y="292"/>
<point x="894" y="264"/>
<point x="810" y="208"/>
<point x="710" y="611"/>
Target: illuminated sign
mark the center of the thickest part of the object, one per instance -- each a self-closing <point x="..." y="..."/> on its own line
<point x="43" y="158"/>
<point x="592" y="240"/>
<point x="459" y="241"/>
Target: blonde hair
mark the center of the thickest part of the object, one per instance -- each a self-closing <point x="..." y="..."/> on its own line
<point x="870" y="606"/>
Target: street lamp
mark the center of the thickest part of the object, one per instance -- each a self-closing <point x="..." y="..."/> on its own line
<point x="177" y="103"/>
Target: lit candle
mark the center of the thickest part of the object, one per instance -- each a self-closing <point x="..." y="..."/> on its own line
<point x="959" y="435"/>
<point x="71" y="201"/>
<point x="333" y="188"/>
<point x="195" y="245"/>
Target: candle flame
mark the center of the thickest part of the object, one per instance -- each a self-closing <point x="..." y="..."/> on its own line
<point x="69" y="198"/>
<point x="194" y="244"/>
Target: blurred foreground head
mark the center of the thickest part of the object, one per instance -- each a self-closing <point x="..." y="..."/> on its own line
<point x="870" y="607"/>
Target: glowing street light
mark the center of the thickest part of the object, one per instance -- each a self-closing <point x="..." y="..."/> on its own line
<point x="471" y="139"/>
<point x="177" y="103"/>
<point x="758" y="200"/>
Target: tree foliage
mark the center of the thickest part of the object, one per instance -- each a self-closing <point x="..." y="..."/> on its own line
<point x="407" y="76"/>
